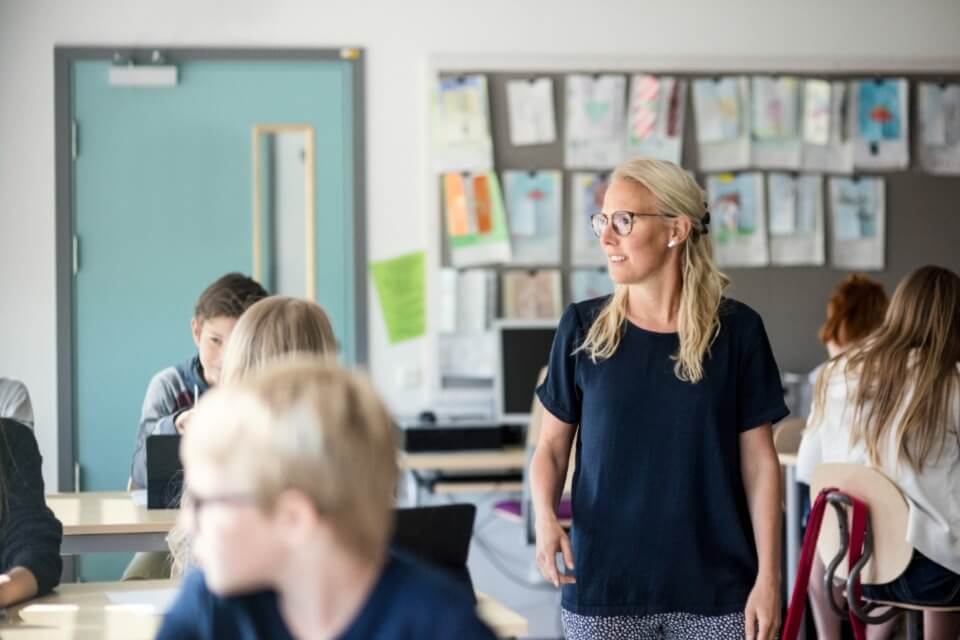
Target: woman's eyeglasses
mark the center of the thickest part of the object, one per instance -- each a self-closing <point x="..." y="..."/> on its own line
<point x="622" y="221"/>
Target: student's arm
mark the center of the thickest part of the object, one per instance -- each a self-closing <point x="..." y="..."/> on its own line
<point x="760" y="471"/>
<point x="157" y="417"/>
<point x="30" y="533"/>
<point x="548" y="472"/>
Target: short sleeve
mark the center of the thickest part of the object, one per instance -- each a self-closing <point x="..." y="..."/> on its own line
<point x="559" y="393"/>
<point x="759" y="389"/>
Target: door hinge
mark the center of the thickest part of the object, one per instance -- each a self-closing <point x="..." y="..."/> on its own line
<point x="76" y="254"/>
<point x="74" y="141"/>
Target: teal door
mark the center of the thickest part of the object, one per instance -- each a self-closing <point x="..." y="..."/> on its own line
<point x="162" y="207"/>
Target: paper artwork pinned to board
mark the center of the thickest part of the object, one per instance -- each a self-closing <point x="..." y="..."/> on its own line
<point x="461" y="124"/>
<point x="796" y="219"/>
<point x="655" y="117"/>
<point x="534" y="202"/>
<point x="532" y="295"/>
<point x="775" y="122"/>
<point x="738" y="221"/>
<point x="476" y="222"/>
<point x="586" y="284"/>
<point x="775" y="105"/>
<point x="882" y="125"/>
<point x="858" y="210"/>
<point x="588" y="191"/>
<point x="836" y="154"/>
<point x="401" y="287"/>
<point x="722" y="110"/>
<point x="939" y="127"/>
<point x="530" y="107"/>
<point x="595" y="121"/>
<point x="816" y="112"/>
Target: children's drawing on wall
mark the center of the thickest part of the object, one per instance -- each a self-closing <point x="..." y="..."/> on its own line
<point x="739" y="232"/>
<point x="532" y="295"/>
<point x="476" y="222"/>
<point x="722" y="116"/>
<point x="939" y="125"/>
<point x="588" y="192"/>
<point x="534" y="200"/>
<point x="461" y="124"/>
<point x="530" y="107"/>
<point x="596" y="117"/>
<point x="859" y="212"/>
<point x="816" y="112"/>
<point x="882" y="123"/>
<point x="795" y="203"/>
<point x="655" y="117"/>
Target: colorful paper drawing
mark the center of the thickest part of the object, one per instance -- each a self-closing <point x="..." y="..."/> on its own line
<point x="462" y="109"/>
<point x="655" y="117"/>
<point x="534" y="203"/>
<point x="589" y="190"/>
<point x="855" y="208"/>
<point x="595" y="120"/>
<point x="859" y="221"/>
<point x="716" y="104"/>
<point x="775" y="107"/>
<point x="476" y="220"/>
<point x="816" y="112"/>
<point x="532" y="295"/>
<point x="530" y="106"/>
<point x="461" y="125"/>
<point x="782" y="193"/>
<point x="401" y="287"/>
<point x="586" y="284"/>
<point x="737" y="206"/>
<point x="879" y="114"/>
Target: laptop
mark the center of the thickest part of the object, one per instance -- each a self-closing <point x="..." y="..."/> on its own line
<point x="438" y="536"/>
<point x="164" y="472"/>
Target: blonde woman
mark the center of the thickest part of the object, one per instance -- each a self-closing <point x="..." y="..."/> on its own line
<point x="274" y="327"/>
<point x="673" y="389"/>
<point x="291" y="477"/>
<point x="893" y="402"/>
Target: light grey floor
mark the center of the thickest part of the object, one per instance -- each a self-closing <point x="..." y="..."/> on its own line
<point x="502" y="565"/>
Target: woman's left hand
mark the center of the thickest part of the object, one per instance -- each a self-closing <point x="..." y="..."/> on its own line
<point x="762" y="612"/>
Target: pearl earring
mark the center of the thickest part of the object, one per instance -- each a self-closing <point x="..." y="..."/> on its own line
<point x="671" y="244"/>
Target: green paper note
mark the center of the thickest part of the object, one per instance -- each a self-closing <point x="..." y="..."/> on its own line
<point x="401" y="288"/>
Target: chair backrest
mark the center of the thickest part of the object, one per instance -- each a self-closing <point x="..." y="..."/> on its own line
<point x="888" y="520"/>
<point x="787" y="435"/>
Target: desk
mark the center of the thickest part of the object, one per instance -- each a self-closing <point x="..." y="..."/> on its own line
<point x="494" y="460"/>
<point x="83" y="611"/>
<point x="95" y="522"/>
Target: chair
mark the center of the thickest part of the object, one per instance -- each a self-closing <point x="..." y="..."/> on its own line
<point x="787" y="435"/>
<point x="886" y="551"/>
<point x="521" y="511"/>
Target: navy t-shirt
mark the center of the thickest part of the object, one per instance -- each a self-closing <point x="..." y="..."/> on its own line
<point x="660" y="517"/>
<point x="409" y="602"/>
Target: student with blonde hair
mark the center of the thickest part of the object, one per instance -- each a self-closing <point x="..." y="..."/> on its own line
<point x="671" y="389"/>
<point x="893" y="402"/>
<point x="291" y="477"/>
<point x="275" y="327"/>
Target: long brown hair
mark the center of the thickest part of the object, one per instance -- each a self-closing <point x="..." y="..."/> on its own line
<point x="906" y="372"/>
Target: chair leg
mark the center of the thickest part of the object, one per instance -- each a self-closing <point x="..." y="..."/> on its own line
<point x="914" y="622"/>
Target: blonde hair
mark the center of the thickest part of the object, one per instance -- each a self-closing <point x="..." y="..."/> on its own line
<point x="305" y="425"/>
<point x="906" y="371"/>
<point x="273" y="327"/>
<point x="677" y="194"/>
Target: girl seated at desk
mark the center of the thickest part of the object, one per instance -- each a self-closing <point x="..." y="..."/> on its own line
<point x="893" y="402"/>
<point x="290" y="479"/>
<point x="30" y="535"/>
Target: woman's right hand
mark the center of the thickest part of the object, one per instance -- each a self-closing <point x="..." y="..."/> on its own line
<point x="552" y="539"/>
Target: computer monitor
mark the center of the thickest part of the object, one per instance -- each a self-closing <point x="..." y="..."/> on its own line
<point x="523" y="348"/>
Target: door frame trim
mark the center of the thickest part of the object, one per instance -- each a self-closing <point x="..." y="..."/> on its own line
<point x="64" y="57"/>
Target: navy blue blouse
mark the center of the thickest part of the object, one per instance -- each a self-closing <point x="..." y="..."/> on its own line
<point x="660" y="517"/>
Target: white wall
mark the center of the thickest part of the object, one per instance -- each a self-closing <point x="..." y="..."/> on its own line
<point x="397" y="36"/>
